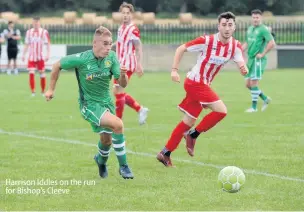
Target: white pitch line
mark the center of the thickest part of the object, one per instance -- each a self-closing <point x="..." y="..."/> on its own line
<point x="151" y="155"/>
<point x="163" y="127"/>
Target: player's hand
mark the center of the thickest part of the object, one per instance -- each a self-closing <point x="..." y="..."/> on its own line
<point x="243" y="70"/>
<point x="49" y="95"/>
<point x="46" y="58"/>
<point x="259" y="56"/>
<point x="139" y="70"/>
<point x="23" y="58"/>
<point x="175" y="76"/>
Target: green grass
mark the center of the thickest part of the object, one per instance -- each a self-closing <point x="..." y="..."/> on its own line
<point x="35" y="134"/>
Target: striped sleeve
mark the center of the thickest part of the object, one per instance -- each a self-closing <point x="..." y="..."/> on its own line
<point x="196" y="45"/>
<point x="46" y="37"/>
<point x="238" y="54"/>
<point x="135" y="34"/>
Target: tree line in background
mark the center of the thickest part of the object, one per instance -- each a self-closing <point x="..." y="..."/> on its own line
<point x="202" y="7"/>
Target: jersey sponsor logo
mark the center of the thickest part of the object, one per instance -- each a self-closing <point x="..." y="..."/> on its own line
<point x="92" y="76"/>
<point x="35" y="39"/>
<point x="218" y="60"/>
<point x="108" y="63"/>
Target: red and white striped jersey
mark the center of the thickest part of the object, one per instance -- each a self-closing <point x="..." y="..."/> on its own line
<point x="214" y="55"/>
<point x="125" y="48"/>
<point x="36" y="40"/>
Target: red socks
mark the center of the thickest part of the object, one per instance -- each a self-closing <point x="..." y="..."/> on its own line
<point x="176" y="136"/>
<point x="42" y="83"/>
<point x="121" y="100"/>
<point x="209" y="121"/>
<point x="132" y="103"/>
<point x="32" y="82"/>
<point x="120" y="104"/>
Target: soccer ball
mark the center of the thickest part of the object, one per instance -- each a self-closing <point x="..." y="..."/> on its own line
<point x="231" y="179"/>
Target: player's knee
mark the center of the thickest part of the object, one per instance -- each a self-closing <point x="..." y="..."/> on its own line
<point x="189" y="120"/>
<point x="223" y="109"/>
<point x="118" y="127"/>
<point x="220" y="108"/>
<point x="106" y="139"/>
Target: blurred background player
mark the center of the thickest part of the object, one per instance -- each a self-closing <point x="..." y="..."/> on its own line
<point x="94" y="70"/>
<point x="259" y="42"/>
<point x="12" y="36"/>
<point x="214" y="52"/>
<point x="129" y="53"/>
<point x="35" y="39"/>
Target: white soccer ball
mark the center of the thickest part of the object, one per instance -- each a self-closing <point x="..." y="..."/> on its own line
<point x="231" y="179"/>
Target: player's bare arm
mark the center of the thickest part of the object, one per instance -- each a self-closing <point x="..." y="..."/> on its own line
<point x="123" y="79"/>
<point x="16" y="37"/>
<point x="54" y="77"/>
<point x="48" y="50"/>
<point x="244" y="46"/>
<point x="139" y="56"/>
<point x="25" y="48"/>
<point x="177" y="58"/>
<point x="1" y="39"/>
<point x="270" y="45"/>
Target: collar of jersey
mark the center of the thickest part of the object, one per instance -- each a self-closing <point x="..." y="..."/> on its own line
<point x="98" y="59"/>
<point x="222" y="44"/>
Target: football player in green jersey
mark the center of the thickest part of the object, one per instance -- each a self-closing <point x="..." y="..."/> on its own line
<point x="94" y="70"/>
<point x="259" y="42"/>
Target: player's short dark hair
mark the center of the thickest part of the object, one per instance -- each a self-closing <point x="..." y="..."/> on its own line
<point x="36" y="18"/>
<point x="10" y="22"/>
<point x="256" y="11"/>
<point x="226" y="15"/>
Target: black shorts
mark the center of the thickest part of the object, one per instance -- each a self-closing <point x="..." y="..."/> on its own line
<point x="12" y="54"/>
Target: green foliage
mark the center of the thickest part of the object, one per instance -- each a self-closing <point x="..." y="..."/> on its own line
<point x="203" y="7"/>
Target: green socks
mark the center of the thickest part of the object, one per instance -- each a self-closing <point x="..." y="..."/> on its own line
<point x="103" y="153"/>
<point x="118" y="141"/>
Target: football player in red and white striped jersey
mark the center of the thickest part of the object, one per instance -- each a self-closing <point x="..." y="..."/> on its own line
<point x="214" y="51"/>
<point x="129" y="53"/>
<point x="35" y="39"/>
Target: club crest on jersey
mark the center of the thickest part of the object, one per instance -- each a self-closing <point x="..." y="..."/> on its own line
<point x="89" y="76"/>
<point x="108" y="63"/>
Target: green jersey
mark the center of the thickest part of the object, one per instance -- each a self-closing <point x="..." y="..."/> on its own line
<point x="257" y="39"/>
<point x="93" y="74"/>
